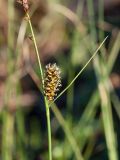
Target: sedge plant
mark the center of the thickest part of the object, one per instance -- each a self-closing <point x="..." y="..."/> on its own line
<point x="46" y="98"/>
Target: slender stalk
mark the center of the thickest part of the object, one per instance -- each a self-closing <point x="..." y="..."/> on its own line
<point x="48" y="128"/>
<point x="45" y="100"/>
<point x="36" y="48"/>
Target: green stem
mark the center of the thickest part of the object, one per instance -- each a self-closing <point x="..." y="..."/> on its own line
<point x="36" y="48"/>
<point x="49" y="128"/>
<point x="45" y="100"/>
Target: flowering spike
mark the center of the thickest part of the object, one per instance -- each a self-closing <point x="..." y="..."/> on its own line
<point x="52" y="81"/>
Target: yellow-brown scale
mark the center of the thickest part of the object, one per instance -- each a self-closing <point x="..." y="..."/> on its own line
<point x="52" y="81"/>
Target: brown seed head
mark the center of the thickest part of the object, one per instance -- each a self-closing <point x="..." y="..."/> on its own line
<point x="24" y="3"/>
<point x="52" y="81"/>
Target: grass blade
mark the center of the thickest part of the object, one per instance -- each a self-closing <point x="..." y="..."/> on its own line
<point x="80" y="72"/>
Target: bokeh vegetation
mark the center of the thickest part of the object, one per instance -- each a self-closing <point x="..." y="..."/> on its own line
<point x="85" y="119"/>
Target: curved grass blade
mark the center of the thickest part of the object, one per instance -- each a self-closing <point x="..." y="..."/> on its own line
<point x="80" y="72"/>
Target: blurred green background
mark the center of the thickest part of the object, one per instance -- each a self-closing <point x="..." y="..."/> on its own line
<point x="85" y="120"/>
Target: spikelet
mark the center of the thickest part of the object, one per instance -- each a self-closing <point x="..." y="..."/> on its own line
<point x="24" y="3"/>
<point x="52" y="81"/>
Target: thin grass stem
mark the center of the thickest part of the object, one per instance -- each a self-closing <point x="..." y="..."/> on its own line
<point x="36" y="48"/>
<point x="49" y="129"/>
<point x="45" y="100"/>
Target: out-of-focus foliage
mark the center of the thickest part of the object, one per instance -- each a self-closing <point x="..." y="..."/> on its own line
<point x="87" y="117"/>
